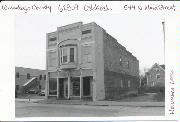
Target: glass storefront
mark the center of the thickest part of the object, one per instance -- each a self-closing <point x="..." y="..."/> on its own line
<point x="52" y="86"/>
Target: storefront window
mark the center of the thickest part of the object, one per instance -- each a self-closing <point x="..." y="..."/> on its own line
<point x="52" y="86"/>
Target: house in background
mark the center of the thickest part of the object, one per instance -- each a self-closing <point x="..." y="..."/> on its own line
<point x="27" y="78"/>
<point x="156" y="76"/>
<point x="85" y="62"/>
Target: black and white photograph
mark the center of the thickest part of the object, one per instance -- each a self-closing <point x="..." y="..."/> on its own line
<point x="89" y="65"/>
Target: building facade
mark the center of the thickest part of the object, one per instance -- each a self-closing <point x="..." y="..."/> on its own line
<point x="23" y="76"/>
<point x="156" y="76"/>
<point x="85" y="62"/>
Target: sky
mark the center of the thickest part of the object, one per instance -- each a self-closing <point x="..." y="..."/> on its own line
<point x="141" y="34"/>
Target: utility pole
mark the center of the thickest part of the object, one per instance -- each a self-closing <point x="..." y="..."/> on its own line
<point x="163" y="24"/>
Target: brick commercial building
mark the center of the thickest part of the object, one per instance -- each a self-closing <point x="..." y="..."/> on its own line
<point x="27" y="78"/>
<point x="85" y="62"/>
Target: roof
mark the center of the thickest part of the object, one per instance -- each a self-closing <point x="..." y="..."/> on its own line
<point x="163" y="66"/>
<point x="160" y="66"/>
<point x="31" y="71"/>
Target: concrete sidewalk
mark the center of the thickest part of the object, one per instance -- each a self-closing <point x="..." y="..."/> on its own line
<point x="94" y="103"/>
<point x="28" y="100"/>
<point x="133" y="104"/>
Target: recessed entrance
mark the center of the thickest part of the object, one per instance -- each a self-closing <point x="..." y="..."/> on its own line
<point x="63" y="92"/>
<point x="86" y="86"/>
<point x="75" y="81"/>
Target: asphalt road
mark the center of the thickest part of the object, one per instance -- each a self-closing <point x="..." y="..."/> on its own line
<point x="25" y="109"/>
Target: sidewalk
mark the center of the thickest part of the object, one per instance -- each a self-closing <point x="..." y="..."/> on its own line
<point x="132" y="104"/>
<point x="28" y="100"/>
<point x="94" y="103"/>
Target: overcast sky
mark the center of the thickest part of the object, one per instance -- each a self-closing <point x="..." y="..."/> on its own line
<point x="141" y="34"/>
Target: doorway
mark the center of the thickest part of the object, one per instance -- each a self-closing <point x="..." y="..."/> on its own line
<point x="75" y="81"/>
<point x="86" y="86"/>
<point x="63" y="88"/>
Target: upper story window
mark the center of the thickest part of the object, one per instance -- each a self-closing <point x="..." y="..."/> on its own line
<point x="67" y="54"/>
<point x="17" y="74"/>
<point x="71" y="54"/>
<point x="129" y="83"/>
<point x="28" y="76"/>
<point x="121" y="81"/>
<point x="44" y="77"/>
<point x="127" y="63"/>
<point x="157" y="69"/>
<point x="87" y="58"/>
<point x="120" y="61"/>
<point x="40" y="77"/>
<point x="157" y="76"/>
<point x="86" y="31"/>
<point x="52" y="39"/>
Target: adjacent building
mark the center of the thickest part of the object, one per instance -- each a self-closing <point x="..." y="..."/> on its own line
<point x="85" y="62"/>
<point x="156" y="76"/>
<point x="29" y="78"/>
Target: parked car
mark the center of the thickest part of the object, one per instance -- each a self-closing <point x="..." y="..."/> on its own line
<point x="32" y="91"/>
<point x="42" y="93"/>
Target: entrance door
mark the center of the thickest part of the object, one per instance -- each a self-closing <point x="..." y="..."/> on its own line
<point x="61" y="87"/>
<point x="86" y="86"/>
<point x="75" y="86"/>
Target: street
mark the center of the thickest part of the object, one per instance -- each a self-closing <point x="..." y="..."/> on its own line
<point x="28" y="109"/>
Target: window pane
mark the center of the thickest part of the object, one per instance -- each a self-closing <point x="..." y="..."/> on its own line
<point x="71" y="54"/>
<point x="86" y="31"/>
<point x="52" y="39"/>
<point x="28" y="76"/>
<point x="76" y="86"/>
<point x="61" y="55"/>
<point x="65" y="52"/>
<point x="17" y="74"/>
<point x="44" y="77"/>
<point x="52" y="86"/>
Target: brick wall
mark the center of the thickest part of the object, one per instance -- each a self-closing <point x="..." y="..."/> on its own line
<point x="116" y="72"/>
<point x="114" y="89"/>
<point x="113" y="51"/>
